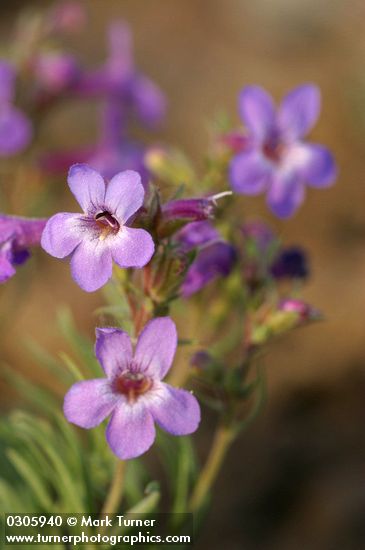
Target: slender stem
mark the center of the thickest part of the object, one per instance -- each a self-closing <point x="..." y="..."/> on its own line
<point x="221" y="443"/>
<point x="115" y="493"/>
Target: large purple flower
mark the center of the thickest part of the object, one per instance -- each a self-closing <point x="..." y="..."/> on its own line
<point x="278" y="161"/>
<point x="215" y="257"/>
<point x="132" y="391"/>
<point x="17" y="235"/>
<point x="15" y="127"/>
<point x="101" y="234"/>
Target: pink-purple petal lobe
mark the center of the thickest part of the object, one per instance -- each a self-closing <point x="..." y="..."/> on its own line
<point x="62" y="234"/>
<point x="319" y="168"/>
<point x="257" y="110"/>
<point x="91" y="264"/>
<point x="285" y="195"/>
<point x="15" y="130"/>
<point x="132" y="247"/>
<point x="175" y="410"/>
<point x="249" y="173"/>
<point x="124" y="194"/>
<point x="156" y="347"/>
<point x="113" y="349"/>
<point x="89" y="402"/>
<point x="6" y="268"/>
<point x="299" y="111"/>
<point x="87" y="186"/>
<point x="131" y="430"/>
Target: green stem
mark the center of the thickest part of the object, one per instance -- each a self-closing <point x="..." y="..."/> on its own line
<point x="223" y="438"/>
<point x="115" y="493"/>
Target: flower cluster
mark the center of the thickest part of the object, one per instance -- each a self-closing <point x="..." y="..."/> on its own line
<point x="143" y="228"/>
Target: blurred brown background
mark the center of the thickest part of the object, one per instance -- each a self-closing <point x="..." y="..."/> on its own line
<point x="297" y="478"/>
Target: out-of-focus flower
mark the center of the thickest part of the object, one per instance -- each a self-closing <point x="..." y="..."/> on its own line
<point x="119" y="78"/>
<point x="264" y="257"/>
<point x="15" y="127"/>
<point x="304" y="312"/>
<point x="67" y="16"/>
<point x="133" y="391"/>
<point x="292" y="263"/>
<point x="288" y="314"/>
<point x="55" y="72"/>
<point x="17" y="235"/>
<point x="279" y="162"/>
<point x="113" y="153"/>
<point x="215" y="257"/>
<point x="101" y="234"/>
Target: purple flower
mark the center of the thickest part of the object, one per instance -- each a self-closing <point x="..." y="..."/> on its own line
<point x="17" y="235"/>
<point x="132" y="391"/>
<point x="292" y="263"/>
<point x="279" y="162"/>
<point x="15" y="127"/>
<point x="55" y="72"/>
<point x="100" y="235"/>
<point x="215" y="257"/>
<point x="118" y="78"/>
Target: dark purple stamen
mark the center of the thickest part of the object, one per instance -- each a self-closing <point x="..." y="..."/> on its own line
<point x="106" y="220"/>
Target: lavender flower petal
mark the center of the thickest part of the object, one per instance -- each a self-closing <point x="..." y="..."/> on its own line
<point x="132" y="247"/>
<point x="89" y="402"/>
<point x="319" y="169"/>
<point x="249" y="173"/>
<point x="124" y="194"/>
<point x="6" y="265"/>
<point x="177" y="411"/>
<point x="156" y="347"/>
<point x="299" y="111"/>
<point x="285" y="194"/>
<point x="257" y="111"/>
<point x="91" y="264"/>
<point x="62" y="234"/>
<point x="113" y="349"/>
<point x="131" y="430"/>
<point x="148" y="101"/>
<point x="87" y="186"/>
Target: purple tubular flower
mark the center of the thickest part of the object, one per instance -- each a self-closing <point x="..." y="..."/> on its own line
<point x="215" y="256"/>
<point x="214" y="260"/>
<point x="189" y="209"/>
<point x="118" y="78"/>
<point x="279" y="162"/>
<point x="292" y="263"/>
<point x="100" y="235"/>
<point x="15" y="127"/>
<point x="133" y="392"/>
<point x="17" y="235"/>
<point x="196" y="234"/>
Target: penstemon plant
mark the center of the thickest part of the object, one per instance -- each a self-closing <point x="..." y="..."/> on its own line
<point x="161" y="241"/>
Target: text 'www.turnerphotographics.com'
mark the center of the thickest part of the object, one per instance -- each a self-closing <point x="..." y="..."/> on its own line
<point x="83" y="529"/>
